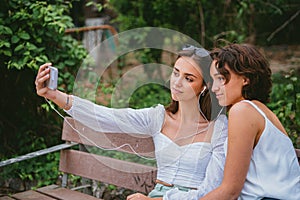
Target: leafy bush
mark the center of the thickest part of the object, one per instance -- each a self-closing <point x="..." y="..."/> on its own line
<point x="32" y="33"/>
<point x="285" y="102"/>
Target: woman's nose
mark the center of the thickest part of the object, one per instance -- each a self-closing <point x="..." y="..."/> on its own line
<point x="214" y="87"/>
<point x="178" y="81"/>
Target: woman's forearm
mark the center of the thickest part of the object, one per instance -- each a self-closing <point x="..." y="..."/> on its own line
<point x="221" y="193"/>
<point x="63" y="100"/>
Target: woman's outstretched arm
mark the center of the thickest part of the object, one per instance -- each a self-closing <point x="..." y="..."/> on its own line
<point x="100" y="118"/>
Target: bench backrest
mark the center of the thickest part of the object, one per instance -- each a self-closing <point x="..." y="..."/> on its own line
<point x="121" y="173"/>
<point x="109" y="170"/>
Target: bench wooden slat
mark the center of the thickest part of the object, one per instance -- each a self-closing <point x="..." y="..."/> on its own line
<point x="125" y="174"/>
<point x="142" y="144"/>
<point x="31" y="195"/>
<point x="64" y="194"/>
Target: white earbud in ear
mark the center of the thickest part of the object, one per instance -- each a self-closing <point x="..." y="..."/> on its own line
<point x="203" y="89"/>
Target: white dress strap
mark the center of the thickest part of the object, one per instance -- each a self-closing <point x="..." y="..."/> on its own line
<point x="256" y="107"/>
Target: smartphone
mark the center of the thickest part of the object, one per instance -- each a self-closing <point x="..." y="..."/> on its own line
<point x="51" y="83"/>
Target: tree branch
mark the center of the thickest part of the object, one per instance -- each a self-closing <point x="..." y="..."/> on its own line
<point x="202" y="24"/>
<point x="283" y="25"/>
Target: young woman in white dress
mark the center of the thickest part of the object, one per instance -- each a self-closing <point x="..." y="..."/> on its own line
<point x="188" y="134"/>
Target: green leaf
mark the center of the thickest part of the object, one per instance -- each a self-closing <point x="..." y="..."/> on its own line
<point x="7" y="53"/>
<point x="90" y="3"/>
<point x="19" y="47"/>
<point x="5" y="30"/>
<point x="3" y="43"/>
<point x="24" y="35"/>
<point x="30" y="46"/>
<point x="40" y="59"/>
<point x="290" y="87"/>
<point x="38" y="40"/>
<point x="15" y="39"/>
<point x="294" y="79"/>
<point x="70" y="62"/>
<point x="26" y="53"/>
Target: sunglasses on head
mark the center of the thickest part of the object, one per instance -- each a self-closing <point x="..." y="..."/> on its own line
<point x="201" y="52"/>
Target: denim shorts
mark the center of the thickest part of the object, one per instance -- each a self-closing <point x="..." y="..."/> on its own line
<point x="160" y="190"/>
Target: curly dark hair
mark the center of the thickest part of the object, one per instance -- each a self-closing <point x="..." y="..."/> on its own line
<point x="247" y="61"/>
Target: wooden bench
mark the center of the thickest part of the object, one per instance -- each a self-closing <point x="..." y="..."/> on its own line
<point x="133" y="176"/>
<point x="130" y="175"/>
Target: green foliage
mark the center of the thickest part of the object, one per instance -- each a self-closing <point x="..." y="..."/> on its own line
<point x="150" y="95"/>
<point x="209" y="21"/>
<point x="32" y="33"/>
<point x="285" y="102"/>
<point x="38" y="171"/>
<point x="97" y="5"/>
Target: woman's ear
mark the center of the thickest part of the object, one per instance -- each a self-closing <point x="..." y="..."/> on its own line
<point x="246" y="81"/>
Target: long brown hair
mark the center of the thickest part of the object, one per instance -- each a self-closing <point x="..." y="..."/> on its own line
<point x="207" y="101"/>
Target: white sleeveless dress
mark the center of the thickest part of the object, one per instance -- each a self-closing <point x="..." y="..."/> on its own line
<point x="274" y="170"/>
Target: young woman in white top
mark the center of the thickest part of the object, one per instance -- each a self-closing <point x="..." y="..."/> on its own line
<point x="261" y="162"/>
<point x="188" y="134"/>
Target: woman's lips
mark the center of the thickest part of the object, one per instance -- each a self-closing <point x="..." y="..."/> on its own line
<point x="176" y="91"/>
<point x="218" y="96"/>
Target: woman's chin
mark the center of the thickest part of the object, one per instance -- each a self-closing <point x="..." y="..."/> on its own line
<point x="222" y="103"/>
<point x="174" y="97"/>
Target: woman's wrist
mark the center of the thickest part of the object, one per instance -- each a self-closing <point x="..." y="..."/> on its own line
<point x="69" y="102"/>
<point x="63" y="100"/>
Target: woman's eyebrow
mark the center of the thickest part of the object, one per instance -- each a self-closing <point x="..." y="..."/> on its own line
<point x="187" y="74"/>
<point x="216" y="74"/>
<point x="176" y="69"/>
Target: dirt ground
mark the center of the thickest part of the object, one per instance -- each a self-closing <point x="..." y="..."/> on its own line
<point x="283" y="57"/>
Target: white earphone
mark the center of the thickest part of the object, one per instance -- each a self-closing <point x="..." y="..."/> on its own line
<point x="203" y="89"/>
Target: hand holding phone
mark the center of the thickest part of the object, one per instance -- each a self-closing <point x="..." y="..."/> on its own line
<point x="51" y="83"/>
